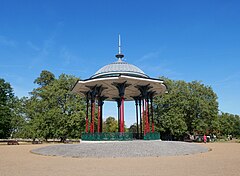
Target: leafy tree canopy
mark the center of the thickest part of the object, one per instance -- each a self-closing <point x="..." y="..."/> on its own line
<point x="53" y="111"/>
<point x="110" y="125"/>
<point x="229" y="124"/>
<point x="45" y="78"/>
<point x="6" y="106"/>
<point x="186" y="108"/>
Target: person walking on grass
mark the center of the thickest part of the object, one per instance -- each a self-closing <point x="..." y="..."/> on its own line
<point x="204" y="138"/>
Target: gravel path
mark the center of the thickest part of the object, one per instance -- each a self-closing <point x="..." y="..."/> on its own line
<point x="122" y="149"/>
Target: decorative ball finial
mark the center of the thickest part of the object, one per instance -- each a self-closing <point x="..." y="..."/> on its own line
<point x="119" y="55"/>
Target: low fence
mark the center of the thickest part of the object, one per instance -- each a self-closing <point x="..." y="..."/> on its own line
<point x="126" y="136"/>
<point x="107" y="136"/>
<point x="118" y="136"/>
<point x="152" y="136"/>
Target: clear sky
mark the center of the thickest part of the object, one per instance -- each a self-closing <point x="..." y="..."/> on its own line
<point x="179" y="39"/>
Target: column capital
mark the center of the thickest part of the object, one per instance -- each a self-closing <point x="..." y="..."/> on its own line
<point x="151" y="94"/>
<point x="144" y="90"/>
<point x="101" y="100"/>
<point x="136" y="99"/>
<point x="118" y="100"/>
<point x="121" y="87"/>
<point x="99" y="90"/>
<point x="87" y="95"/>
<point x="92" y="92"/>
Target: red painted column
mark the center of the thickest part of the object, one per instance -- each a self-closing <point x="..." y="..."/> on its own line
<point x="140" y="115"/>
<point x="87" y="116"/>
<point x="99" y="117"/>
<point x="149" y="115"/>
<point x="121" y="89"/>
<point x="92" y="115"/>
<point x="119" y="115"/>
<point x="147" y="122"/>
<point x="118" y="100"/>
<point x="152" y="115"/>
<point x="122" y="115"/>
<point x="143" y="116"/>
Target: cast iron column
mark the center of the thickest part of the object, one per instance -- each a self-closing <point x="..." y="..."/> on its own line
<point x="149" y="114"/>
<point x="87" y="101"/>
<point x="136" y="104"/>
<point x="99" y="115"/>
<point x="122" y="115"/>
<point x="150" y="95"/>
<point x="144" y="95"/>
<point x="140" y="112"/>
<point x="119" y="113"/>
<point x="121" y="89"/>
<point x="147" y="117"/>
<point x="143" y="116"/>
<point x="118" y="106"/>
<point x="151" y="100"/>
<point x="100" y="110"/>
<point x="93" y="93"/>
<point x="92" y="115"/>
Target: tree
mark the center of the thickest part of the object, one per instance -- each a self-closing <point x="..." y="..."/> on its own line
<point x="18" y="120"/>
<point x="46" y="77"/>
<point x="6" y="98"/>
<point x="229" y="124"/>
<point x="110" y="125"/>
<point x="53" y="111"/>
<point x="186" y="108"/>
<point x="133" y="128"/>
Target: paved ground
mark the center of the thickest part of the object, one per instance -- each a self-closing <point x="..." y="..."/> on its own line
<point x="122" y="149"/>
<point x="224" y="159"/>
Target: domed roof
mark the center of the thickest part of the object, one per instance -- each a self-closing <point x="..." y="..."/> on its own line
<point x="119" y="67"/>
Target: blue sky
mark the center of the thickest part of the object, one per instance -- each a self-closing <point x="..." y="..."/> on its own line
<point x="182" y="40"/>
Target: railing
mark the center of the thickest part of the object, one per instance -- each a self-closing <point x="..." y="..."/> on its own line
<point x="152" y="136"/>
<point x="119" y="136"/>
<point x="137" y="135"/>
<point x="107" y="136"/>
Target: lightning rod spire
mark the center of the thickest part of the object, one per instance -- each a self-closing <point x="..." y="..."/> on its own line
<point x="119" y="55"/>
<point x="119" y="44"/>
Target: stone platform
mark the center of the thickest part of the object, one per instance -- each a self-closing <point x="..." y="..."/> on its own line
<point x="122" y="149"/>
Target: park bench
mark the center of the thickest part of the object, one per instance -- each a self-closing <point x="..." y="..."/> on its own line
<point x="67" y="141"/>
<point x="12" y="142"/>
<point x="36" y="142"/>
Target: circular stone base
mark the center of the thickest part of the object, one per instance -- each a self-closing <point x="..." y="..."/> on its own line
<point x="122" y="149"/>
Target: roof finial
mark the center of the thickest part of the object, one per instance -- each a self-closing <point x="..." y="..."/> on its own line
<point x="119" y="55"/>
<point x="119" y="44"/>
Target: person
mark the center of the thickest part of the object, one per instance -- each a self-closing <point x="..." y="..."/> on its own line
<point x="204" y="138"/>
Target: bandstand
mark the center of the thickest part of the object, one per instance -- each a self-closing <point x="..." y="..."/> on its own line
<point x="120" y="82"/>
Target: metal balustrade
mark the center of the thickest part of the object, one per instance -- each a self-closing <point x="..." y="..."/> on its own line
<point x="118" y="136"/>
